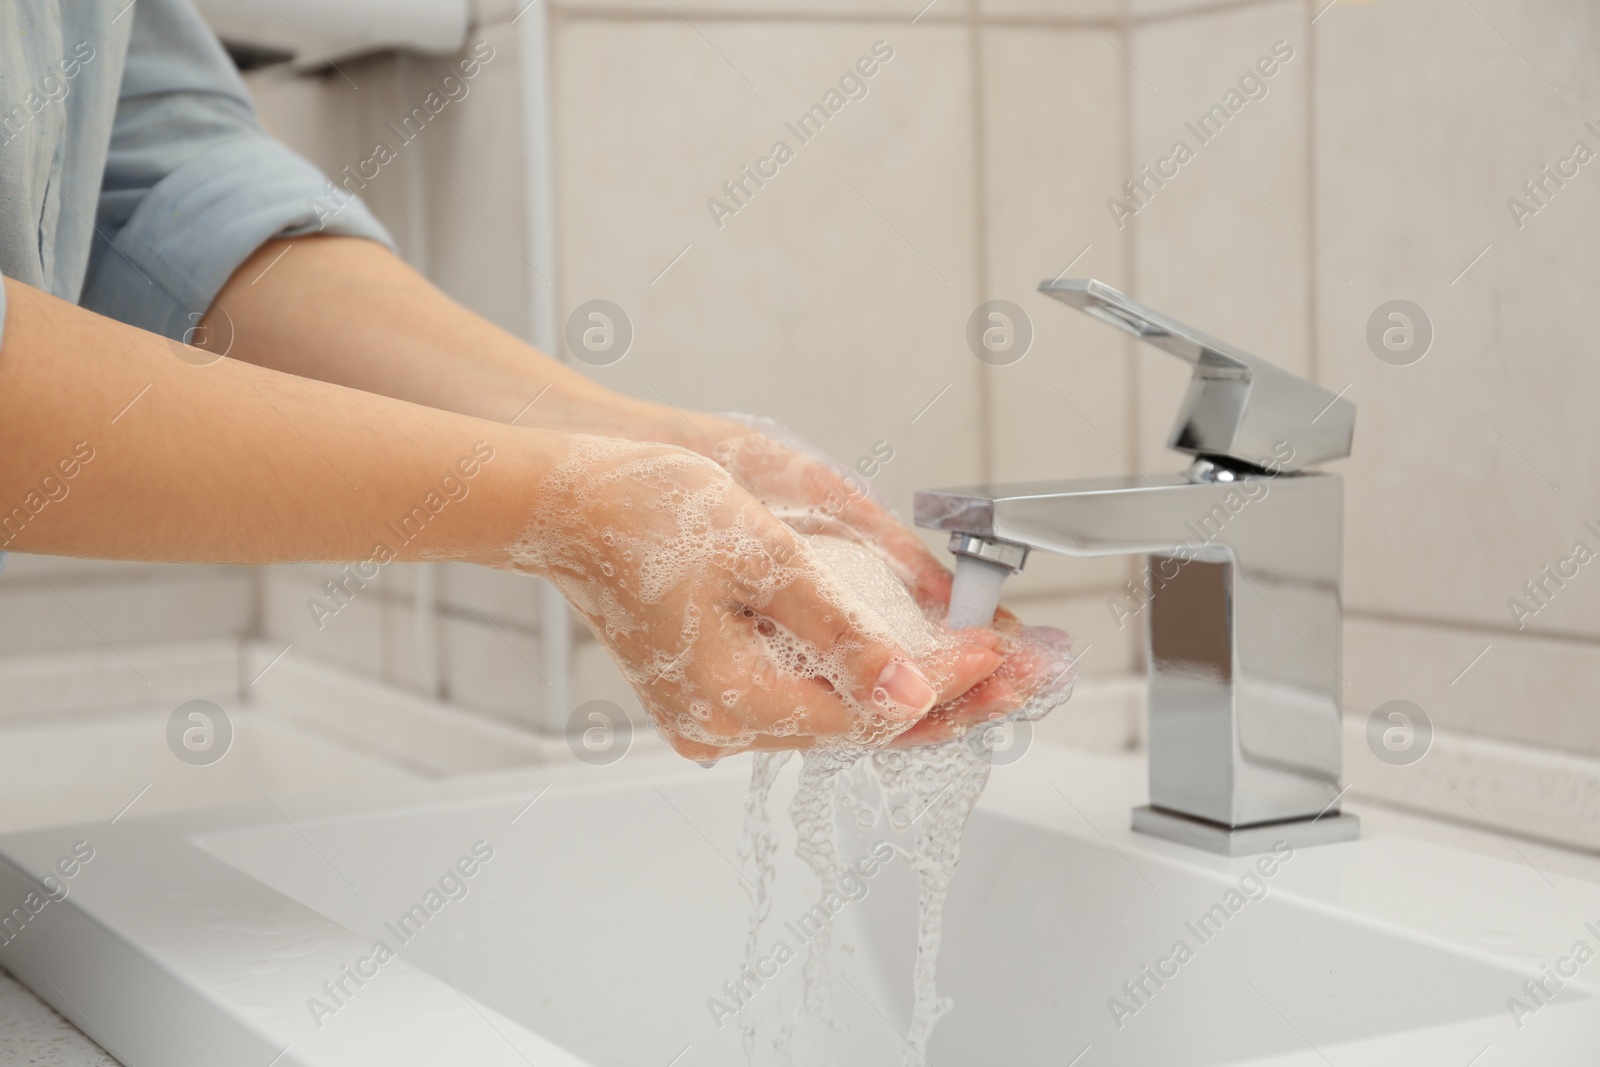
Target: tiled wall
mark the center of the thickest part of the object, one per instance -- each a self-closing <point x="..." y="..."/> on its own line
<point x="1376" y="166"/>
<point x="1379" y="167"/>
<point x="836" y="298"/>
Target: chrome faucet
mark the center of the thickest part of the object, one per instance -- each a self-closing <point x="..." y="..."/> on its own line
<point x="1242" y="586"/>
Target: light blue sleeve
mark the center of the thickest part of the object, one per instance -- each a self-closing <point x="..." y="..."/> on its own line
<point x="193" y="185"/>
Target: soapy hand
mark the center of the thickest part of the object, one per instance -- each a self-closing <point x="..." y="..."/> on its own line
<point x="721" y="616"/>
<point x="805" y="487"/>
<point x="1035" y="675"/>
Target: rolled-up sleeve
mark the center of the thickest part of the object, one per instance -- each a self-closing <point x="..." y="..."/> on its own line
<point x="193" y="185"/>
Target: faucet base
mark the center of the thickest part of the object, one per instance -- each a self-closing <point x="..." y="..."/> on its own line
<point x="1245" y="840"/>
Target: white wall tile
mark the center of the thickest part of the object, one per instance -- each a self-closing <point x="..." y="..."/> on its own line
<point x="503" y="596"/>
<point x="1525" y="688"/>
<point x="494" y="669"/>
<point x="123" y="608"/>
<point x="352" y="635"/>
<point x="475" y="175"/>
<point x="836" y="299"/>
<point x="1452" y="507"/>
<point x="414" y="733"/>
<point x="1049" y="163"/>
<point x="35" y="683"/>
<point x="1222" y="246"/>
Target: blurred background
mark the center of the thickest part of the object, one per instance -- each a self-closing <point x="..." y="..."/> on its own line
<point x="1380" y="161"/>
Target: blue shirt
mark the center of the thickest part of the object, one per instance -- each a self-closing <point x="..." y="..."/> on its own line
<point x="134" y="177"/>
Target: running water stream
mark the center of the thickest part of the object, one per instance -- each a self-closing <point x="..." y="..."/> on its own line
<point x="922" y="795"/>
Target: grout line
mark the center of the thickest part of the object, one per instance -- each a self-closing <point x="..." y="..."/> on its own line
<point x="1130" y="259"/>
<point x="1220" y="7"/>
<point x="947" y="17"/>
<point x="976" y="74"/>
<point x="1313" y="348"/>
<point x="551" y="36"/>
<point x="1455" y="626"/>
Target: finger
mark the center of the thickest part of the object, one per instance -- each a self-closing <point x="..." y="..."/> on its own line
<point x="812" y="713"/>
<point x="956" y="670"/>
<point x="994" y="699"/>
<point x="1039" y="666"/>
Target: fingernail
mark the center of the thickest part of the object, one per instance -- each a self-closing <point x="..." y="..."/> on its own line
<point x="906" y="687"/>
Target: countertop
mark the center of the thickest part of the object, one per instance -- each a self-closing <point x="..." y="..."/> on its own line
<point x="33" y="1035"/>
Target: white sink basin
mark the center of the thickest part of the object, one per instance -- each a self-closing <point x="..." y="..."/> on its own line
<point x="611" y="911"/>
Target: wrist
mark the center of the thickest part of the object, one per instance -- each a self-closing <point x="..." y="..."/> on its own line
<point x="503" y="477"/>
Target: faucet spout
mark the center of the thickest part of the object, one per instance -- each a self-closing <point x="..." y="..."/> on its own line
<point x="1241" y="591"/>
<point x="1198" y="515"/>
<point x="1243" y="559"/>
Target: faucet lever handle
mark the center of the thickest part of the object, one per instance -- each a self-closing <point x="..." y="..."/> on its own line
<point x="1239" y="407"/>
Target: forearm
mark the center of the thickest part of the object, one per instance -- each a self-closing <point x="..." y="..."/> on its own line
<point x="234" y="463"/>
<point x="348" y="311"/>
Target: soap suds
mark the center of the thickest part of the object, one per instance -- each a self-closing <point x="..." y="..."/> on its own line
<point x="649" y="543"/>
<point x="675" y="569"/>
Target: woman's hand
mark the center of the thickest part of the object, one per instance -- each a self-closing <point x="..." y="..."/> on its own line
<point x="806" y="488"/>
<point x="1036" y="675"/>
<point x="720" y="615"/>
